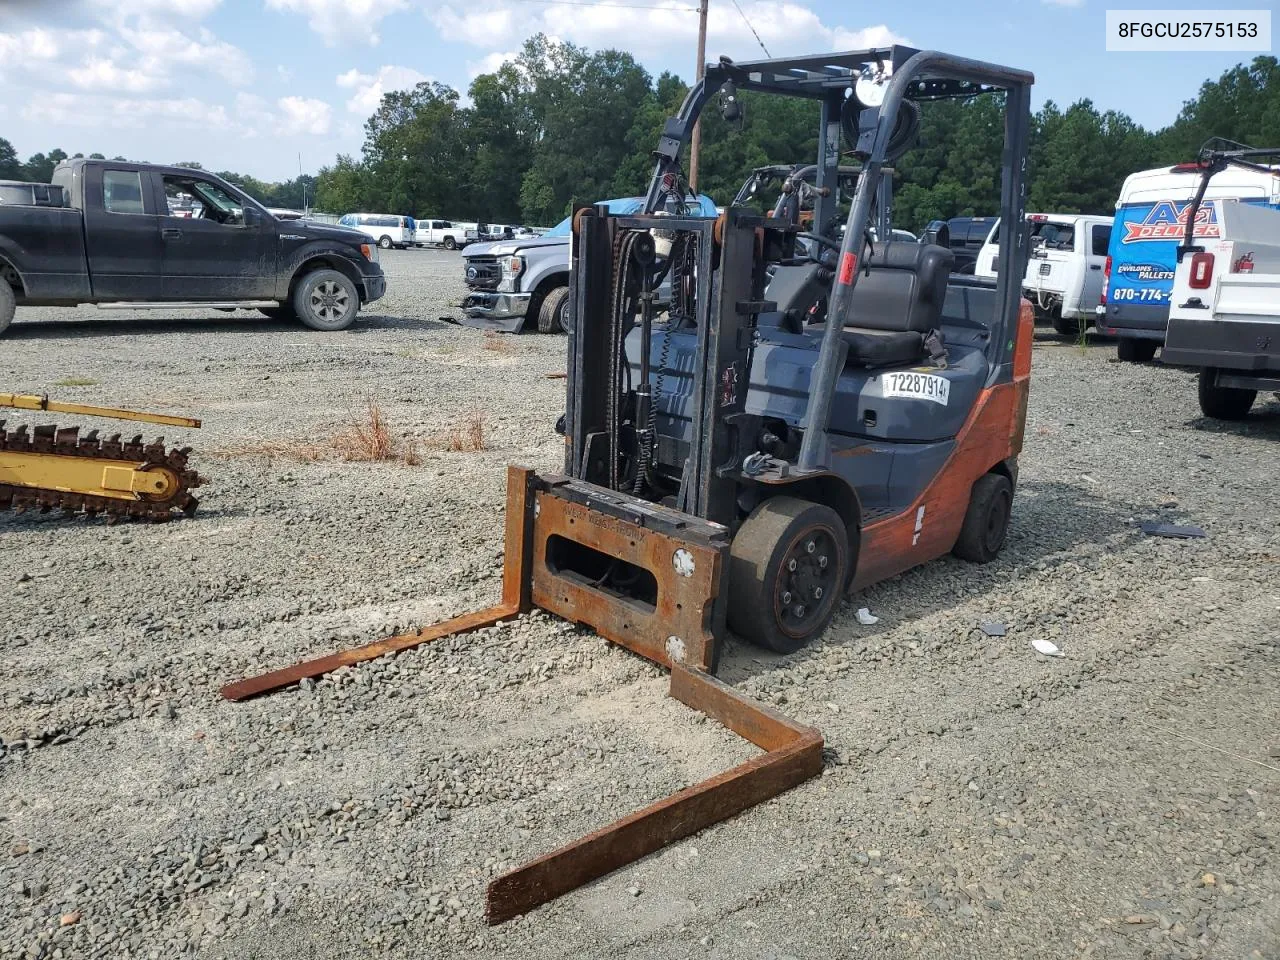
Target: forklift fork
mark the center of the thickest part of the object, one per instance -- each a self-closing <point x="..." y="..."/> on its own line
<point x="649" y="579"/>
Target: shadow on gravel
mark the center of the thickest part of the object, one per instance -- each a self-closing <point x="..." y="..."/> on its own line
<point x="1051" y="519"/>
<point x="248" y="323"/>
<point x="1263" y="422"/>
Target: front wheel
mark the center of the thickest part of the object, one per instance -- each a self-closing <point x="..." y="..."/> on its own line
<point x="1133" y="350"/>
<point x="788" y="566"/>
<point x="553" y="315"/>
<point x="326" y="300"/>
<point x="986" y="522"/>
<point x="450" y="243"/>
<point x="1223" y="403"/>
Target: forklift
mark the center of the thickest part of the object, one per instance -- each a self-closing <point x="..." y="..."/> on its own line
<point x="810" y="410"/>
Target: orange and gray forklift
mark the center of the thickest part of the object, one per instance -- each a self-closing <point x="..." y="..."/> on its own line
<point x="809" y="410"/>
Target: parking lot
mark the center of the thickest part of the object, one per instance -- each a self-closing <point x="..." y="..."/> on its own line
<point x="978" y="799"/>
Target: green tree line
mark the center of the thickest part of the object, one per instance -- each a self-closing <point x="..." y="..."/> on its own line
<point x="559" y="124"/>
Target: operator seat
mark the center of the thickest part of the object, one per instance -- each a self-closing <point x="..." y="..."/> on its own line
<point x="897" y="302"/>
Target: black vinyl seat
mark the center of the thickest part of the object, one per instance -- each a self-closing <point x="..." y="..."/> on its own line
<point x="897" y="302"/>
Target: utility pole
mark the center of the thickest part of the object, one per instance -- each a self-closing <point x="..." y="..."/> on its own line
<point x="695" y="143"/>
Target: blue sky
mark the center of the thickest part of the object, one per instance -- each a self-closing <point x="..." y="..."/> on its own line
<point x="249" y="85"/>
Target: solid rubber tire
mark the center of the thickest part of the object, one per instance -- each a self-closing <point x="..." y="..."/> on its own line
<point x="755" y="558"/>
<point x="986" y="521"/>
<point x="551" y="313"/>
<point x="1224" y="403"/>
<point x="302" y="295"/>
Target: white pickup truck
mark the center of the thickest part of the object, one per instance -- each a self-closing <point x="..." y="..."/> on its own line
<point x="1224" y="311"/>
<point x="438" y="233"/>
<point x="1065" y="271"/>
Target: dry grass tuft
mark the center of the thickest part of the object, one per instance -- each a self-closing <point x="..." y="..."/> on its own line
<point x="368" y="438"/>
<point x="467" y="436"/>
<point x="365" y="438"/>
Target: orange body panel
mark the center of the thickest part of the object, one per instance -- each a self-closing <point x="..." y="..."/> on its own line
<point x="930" y="526"/>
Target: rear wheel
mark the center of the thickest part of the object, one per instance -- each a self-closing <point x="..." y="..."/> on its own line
<point x="326" y="300"/>
<point x="450" y="243"/>
<point x="986" y="522"/>
<point x="1223" y="403"/>
<point x="384" y="243"/>
<point x="553" y="315"/>
<point x="8" y="305"/>
<point x="788" y="566"/>
<point x="1064" y="326"/>
<point x="1133" y="350"/>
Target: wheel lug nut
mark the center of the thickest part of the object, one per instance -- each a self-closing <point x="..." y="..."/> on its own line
<point x="822" y="563"/>
<point x="810" y="547"/>
<point x="791" y="565"/>
<point x="817" y="593"/>
<point x="786" y="597"/>
<point x="798" y="610"/>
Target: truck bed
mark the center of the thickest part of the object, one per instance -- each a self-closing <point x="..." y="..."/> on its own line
<point x="49" y="242"/>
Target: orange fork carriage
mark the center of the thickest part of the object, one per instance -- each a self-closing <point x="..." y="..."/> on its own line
<point x="552" y="523"/>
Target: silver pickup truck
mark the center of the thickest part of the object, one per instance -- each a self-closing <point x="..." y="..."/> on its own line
<point x="513" y="280"/>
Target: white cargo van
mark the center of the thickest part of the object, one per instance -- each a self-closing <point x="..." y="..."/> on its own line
<point x="1151" y="215"/>
<point x="388" y="231"/>
<point x="1065" y="267"/>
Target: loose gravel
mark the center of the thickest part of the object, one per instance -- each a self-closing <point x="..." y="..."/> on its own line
<point x="978" y="799"/>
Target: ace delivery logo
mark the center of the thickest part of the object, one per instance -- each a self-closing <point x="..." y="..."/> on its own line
<point x="1168" y="221"/>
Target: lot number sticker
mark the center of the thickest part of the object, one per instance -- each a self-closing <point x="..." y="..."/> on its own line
<point x="918" y="386"/>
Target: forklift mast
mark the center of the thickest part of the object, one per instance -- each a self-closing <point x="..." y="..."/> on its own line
<point x="610" y="420"/>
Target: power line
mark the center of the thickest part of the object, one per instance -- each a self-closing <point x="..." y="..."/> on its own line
<point x="626" y="6"/>
<point x="753" y="30"/>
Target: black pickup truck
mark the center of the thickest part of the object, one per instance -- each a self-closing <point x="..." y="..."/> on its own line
<point x="108" y="232"/>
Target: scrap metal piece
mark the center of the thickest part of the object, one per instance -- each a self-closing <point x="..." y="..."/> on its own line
<point x="21" y="401"/>
<point x="794" y="754"/>
<point x="1155" y="528"/>
<point x="55" y="468"/>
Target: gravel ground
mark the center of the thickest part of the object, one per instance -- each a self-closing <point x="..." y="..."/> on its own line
<point x="979" y="800"/>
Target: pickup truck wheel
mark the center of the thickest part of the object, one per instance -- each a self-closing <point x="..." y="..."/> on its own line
<point x="8" y="304"/>
<point x="553" y="315"/>
<point x="326" y="300"/>
<point x="1223" y="403"/>
<point x="450" y="243"/>
<point x="384" y="243"/>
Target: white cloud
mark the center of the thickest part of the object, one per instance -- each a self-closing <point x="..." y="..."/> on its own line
<point x="489" y="63"/>
<point x="348" y="20"/>
<point x="652" y="32"/>
<point x="185" y="10"/>
<point x="92" y="110"/>
<point x="163" y="48"/>
<point x="97" y="75"/>
<point x="301" y="115"/>
<point x="369" y="88"/>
